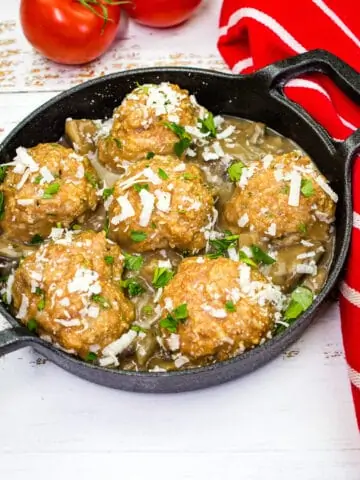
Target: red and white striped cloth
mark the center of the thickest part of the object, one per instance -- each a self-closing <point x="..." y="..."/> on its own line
<point x="255" y="33"/>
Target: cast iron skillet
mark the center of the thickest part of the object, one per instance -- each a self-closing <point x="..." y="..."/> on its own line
<point x="257" y="97"/>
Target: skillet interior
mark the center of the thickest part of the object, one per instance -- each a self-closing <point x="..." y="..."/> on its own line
<point x="245" y="97"/>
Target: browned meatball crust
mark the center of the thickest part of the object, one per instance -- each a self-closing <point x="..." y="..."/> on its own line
<point x="44" y="186"/>
<point x="70" y="290"/>
<point x="162" y="203"/>
<point x="263" y="201"/>
<point x="139" y="124"/>
<point x="230" y="307"/>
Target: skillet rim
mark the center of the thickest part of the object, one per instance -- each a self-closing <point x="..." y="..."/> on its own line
<point x="279" y="341"/>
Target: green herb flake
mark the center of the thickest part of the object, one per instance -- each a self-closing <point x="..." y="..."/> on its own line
<point x="141" y="186"/>
<point x="235" y="171"/>
<point x="51" y="190"/>
<point x="106" y="226"/>
<point x="102" y="301"/>
<point x="109" y="260"/>
<point x="260" y="256"/>
<point x="230" y="307"/>
<point x="208" y="125"/>
<point x="148" y="310"/>
<point x="150" y="155"/>
<point x="137" y="236"/>
<point x="184" y="138"/>
<point x="221" y="245"/>
<point x="301" y="300"/>
<point x="133" y="262"/>
<point x="38" y="179"/>
<point x="246" y="259"/>
<point x="118" y="142"/>
<point x="188" y="176"/>
<point x="133" y="287"/>
<point x="138" y="329"/>
<point x="91" y="357"/>
<point x="32" y="325"/>
<point x="172" y="320"/>
<point x="75" y="227"/>
<point x="2" y="173"/>
<point x="285" y="189"/>
<point x="162" y="277"/>
<point x="302" y="228"/>
<point x="91" y="178"/>
<point x="162" y="174"/>
<point x="307" y="188"/>
<point x="2" y="205"/>
<point x="36" y="239"/>
<point x="41" y="303"/>
<point x="107" y="192"/>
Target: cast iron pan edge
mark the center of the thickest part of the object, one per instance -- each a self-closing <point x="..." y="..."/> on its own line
<point x="272" y="80"/>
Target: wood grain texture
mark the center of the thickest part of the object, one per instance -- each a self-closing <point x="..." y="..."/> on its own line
<point x="292" y="419"/>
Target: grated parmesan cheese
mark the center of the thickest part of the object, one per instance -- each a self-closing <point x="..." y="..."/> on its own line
<point x="214" y="312"/>
<point x="295" y="186"/>
<point x="272" y="230"/>
<point x="147" y="201"/>
<point x="47" y="176"/>
<point x="127" y="210"/>
<point x="163" y="200"/>
<point x="23" y="307"/>
<point x="327" y="189"/>
<point x="244" y="220"/>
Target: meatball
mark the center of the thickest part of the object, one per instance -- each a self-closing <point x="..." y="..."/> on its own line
<point x="69" y="291"/>
<point x="139" y="124"/>
<point x="44" y="186"/>
<point x="280" y="196"/>
<point x="160" y="204"/>
<point x="229" y="308"/>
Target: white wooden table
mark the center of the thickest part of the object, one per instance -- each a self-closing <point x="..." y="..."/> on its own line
<point x="293" y="419"/>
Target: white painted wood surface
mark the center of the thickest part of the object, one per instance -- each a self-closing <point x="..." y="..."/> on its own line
<point x="293" y="419"/>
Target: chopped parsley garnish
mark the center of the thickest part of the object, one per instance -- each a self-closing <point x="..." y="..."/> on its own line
<point x="2" y="205"/>
<point x="75" y="227"/>
<point x="144" y="88"/>
<point x="301" y="299"/>
<point x="246" y="259"/>
<point x="162" y="174"/>
<point x="92" y="179"/>
<point x="2" y="173"/>
<point x="133" y="262"/>
<point x="32" y="325"/>
<point x="148" y="310"/>
<point x="106" y="226"/>
<point x="172" y="320"/>
<point x="38" y="179"/>
<point x="141" y="186"/>
<point x="221" y="245"/>
<point x="302" y="228"/>
<point x="109" y="260"/>
<point x="133" y="287"/>
<point x="101" y="301"/>
<point x="162" y="277"/>
<point x="118" y="142"/>
<point x="107" y="192"/>
<point x="41" y="303"/>
<point x="184" y="138"/>
<point x="260" y="256"/>
<point x="91" y="357"/>
<point x="208" y="125"/>
<point x="307" y="188"/>
<point x="235" y="171"/>
<point x="138" y="329"/>
<point x="138" y="236"/>
<point x="188" y="176"/>
<point x="230" y="307"/>
<point x="51" y="190"/>
<point x="36" y="239"/>
<point x="285" y="189"/>
<point x="150" y="155"/>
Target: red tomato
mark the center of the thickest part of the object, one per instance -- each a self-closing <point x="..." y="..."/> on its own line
<point x="161" y="13"/>
<point x="70" y="31"/>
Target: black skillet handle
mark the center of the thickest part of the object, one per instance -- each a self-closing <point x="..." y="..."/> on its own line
<point x="275" y="77"/>
<point x="12" y="337"/>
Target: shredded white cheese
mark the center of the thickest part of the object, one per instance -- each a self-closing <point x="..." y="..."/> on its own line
<point x="272" y="230"/>
<point x="227" y="132"/>
<point x="233" y="254"/>
<point x="127" y="210"/>
<point x="295" y="186"/>
<point x="244" y="220"/>
<point x="23" y="307"/>
<point x="47" y="176"/>
<point x="147" y="201"/>
<point x="214" y="312"/>
<point x="327" y="189"/>
<point x="24" y="202"/>
<point x="163" y="200"/>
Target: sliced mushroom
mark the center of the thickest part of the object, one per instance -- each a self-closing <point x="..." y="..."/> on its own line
<point x="80" y="134"/>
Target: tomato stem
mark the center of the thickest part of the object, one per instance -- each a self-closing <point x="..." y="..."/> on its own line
<point x="104" y="13"/>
